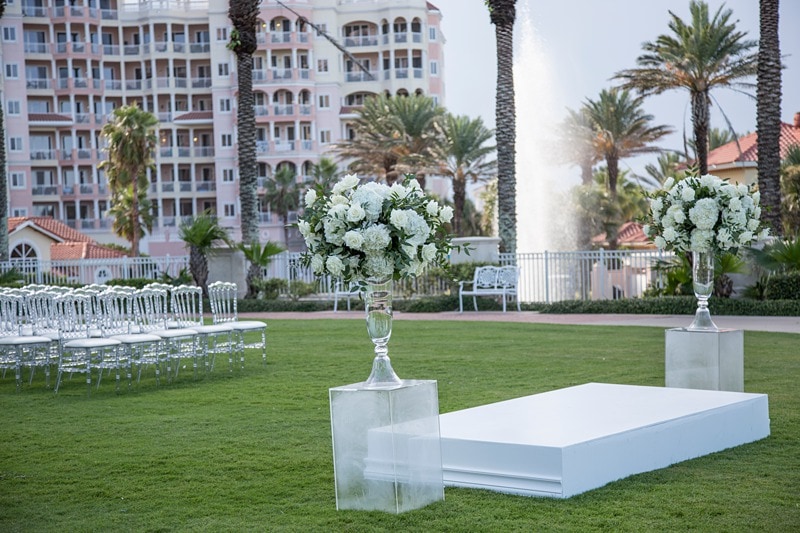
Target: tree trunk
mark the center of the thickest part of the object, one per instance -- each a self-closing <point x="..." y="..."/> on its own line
<point x="253" y="275"/>
<point x="613" y="175"/>
<point x="700" y="105"/>
<point x="768" y="125"/>
<point x="4" y="251"/>
<point x="459" y="196"/>
<point x="198" y="264"/>
<point x="135" y="215"/>
<point x="505" y="112"/>
<point x="248" y="164"/>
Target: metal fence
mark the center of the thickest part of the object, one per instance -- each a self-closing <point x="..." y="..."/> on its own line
<point x="544" y="276"/>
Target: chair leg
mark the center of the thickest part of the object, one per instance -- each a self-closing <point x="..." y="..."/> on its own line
<point x="475" y="302"/>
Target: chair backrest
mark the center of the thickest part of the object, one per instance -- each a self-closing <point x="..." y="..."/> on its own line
<point x="12" y="314"/>
<point x="222" y="298"/>
<point x="40" y="308"/>
<point x="118" y="312"/>
<point x="485" y="276"/>
<point x="508" y="276"/>
<point x="187" y="306"/>
<point x="75" y="315"/>
<point x="151" y="309"/>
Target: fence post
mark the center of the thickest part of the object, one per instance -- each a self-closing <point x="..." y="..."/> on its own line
<point x="546" y="277"/>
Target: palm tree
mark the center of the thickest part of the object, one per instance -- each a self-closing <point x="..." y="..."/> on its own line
<point x="666" y="166"/>
<point x="768" y="115"/>
<point x="392" y="137"/>
<point x="621" y="129"/>
<point x="121" y="210"/>
<point x="283" y="195"/>
<point x="325" y="173"/>
<point x="244" y="16"/>
<point x="502" y="14"/>
<point x="131" y="137"/>
<point x="698" y="57"/>
<point x="261" y="257"/>
<point x="202" y="233"/>
<point x="463" y="154"/>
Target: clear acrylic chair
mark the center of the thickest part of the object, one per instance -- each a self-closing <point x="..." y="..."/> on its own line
<point x="119" y="321"/>
<point x="187" y="312"/>
<point x="222" y="297"/>
<point x="18" y="350"/>
<point x="152" y="309"/>
<point x="42" y="321"/>
<point x="78" y="351"/>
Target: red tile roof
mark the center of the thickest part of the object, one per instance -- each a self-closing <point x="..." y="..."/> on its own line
<point x="747" y="148"/>
<point x="630" y="235"/>
<point x="57" y="229"/>
<point x="82" y="250"/>
<point x="196" y="115"/>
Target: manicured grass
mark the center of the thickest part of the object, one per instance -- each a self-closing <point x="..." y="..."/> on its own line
<point x="251" y="451"/>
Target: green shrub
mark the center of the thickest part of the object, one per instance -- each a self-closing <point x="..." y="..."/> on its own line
<point x="677" y="305"/>
<point x="783" y="287"/>
<point x="270" y="289"/>
<point x="137" y="283"/>
<point x="298" y="289"/>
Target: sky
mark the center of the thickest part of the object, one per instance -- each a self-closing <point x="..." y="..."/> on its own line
<point x="567" y="51"/>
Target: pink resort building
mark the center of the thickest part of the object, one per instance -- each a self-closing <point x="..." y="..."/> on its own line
<point x="67" y="65"/>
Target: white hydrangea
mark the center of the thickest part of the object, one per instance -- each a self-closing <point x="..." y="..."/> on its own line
<point x="446" y="214"/>
<point x="432" y="208"/>
<point x="317" y="264"/>
<point x="687" y="194"/>
<point x="350" y="181"/>
<point x="378" y="266"/>
<point x="354" y="239"/>
<point x="334" y="265"/>
<point x="704" y="214"/>
<point x="356" y="213"/>
<point x="428" y="252"/>
<point x="311" y="197"/>
<point x="670" y="234"/>
<point x="376" y="238"/>
<point x="399" y="218"/>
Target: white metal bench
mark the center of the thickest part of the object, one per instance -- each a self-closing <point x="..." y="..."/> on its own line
<point x="342" y="290"/>
<point x="490" y="281"/>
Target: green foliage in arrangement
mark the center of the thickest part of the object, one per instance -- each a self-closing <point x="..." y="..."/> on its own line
<point x="251" y="450"/>
<point x="783" y="287"/>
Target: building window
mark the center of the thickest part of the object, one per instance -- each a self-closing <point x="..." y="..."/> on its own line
<point x="222" y="34"/>
<point x="324" y="101"/>
<point x="325" y="136"/>
<point x="227" y="175"/>
<point x="225" y="104"/>
<point x="223" y="69"/>
<point x="12" y="71"/>
<point x="19" y="212"/>
<point x="432" y="33"/>
<point x="227" y="139"/>
<point x="229" y="210"/>
<point x="24" y="251"/>
<point x="322" y="29"/>
<point x="9" y="34"/>
<point x="322" y="65"/>
<point x="434" y="68"/>
<point x="14" y="107"/>
<point x="15" y="144"/>
<point x="17" y="180"/>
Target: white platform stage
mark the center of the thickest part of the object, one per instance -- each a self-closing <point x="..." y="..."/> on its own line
<point x="565" y="442"/>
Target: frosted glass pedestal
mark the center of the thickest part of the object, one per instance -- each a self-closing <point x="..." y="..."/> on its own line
<point x="710" y="360"/>
<point x="386" y="449"/>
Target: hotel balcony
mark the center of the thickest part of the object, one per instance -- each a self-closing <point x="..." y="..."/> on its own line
<point x="364" y="40"/>
<point x="360" y="75"/>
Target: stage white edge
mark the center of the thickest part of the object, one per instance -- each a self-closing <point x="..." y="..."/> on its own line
<point x="567" y="441"/>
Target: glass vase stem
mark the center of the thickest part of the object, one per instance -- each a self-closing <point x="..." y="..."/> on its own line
<point x="378" y="305"/>
<point x="703" y="286"/>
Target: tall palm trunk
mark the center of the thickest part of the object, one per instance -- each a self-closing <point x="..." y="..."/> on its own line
<point x="768" y="122"/>
<point x="700" y="120"/>
<point x="459" y="197"/>
<point x="135" y="216"/>
<point x="503" y="14"/>
<point x="4" y="252"/>
<point x="199" y="267"/>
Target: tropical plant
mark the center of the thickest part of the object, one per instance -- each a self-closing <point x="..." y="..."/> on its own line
<point x="666" y="166"/>
<point x="502" y="14"/>
<point x="122" y="210"/>
<point x="393" y="136"/>
<point x="202" y="234"/>
<point x="261" y="257"/>
<point x="325" y="173"/>
<point x="676" y="275"/>
<point x="706" y="53"/>
<point x="244" y="16"/>
<point x="621" y="129"/>
<point x="463" y="155"/>
<point x="790" y="191"/>
<point x="779" y="257"/>
<point x="768" y="115"/>
<point x="132" y="141"/>
<point x="282" y="193"/>
<point x="488" y="197"/>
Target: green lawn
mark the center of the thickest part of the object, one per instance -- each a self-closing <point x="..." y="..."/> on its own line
<point x="251" y="451"/>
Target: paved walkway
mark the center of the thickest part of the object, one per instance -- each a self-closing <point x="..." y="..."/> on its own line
<point x="747" y="323"/>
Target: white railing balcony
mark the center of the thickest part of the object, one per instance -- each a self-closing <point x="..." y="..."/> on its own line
<point x="63" y="83"/>
<point x="261" y="182"/>
<point x="160" y="46"/>
<point x="179" y="47"/>
<point x="284" y="37"/>
<point x="185" y="186"/>
<point x="265" y="218"/>
<point x="65" y="155"/>
<point x="78" y="48"/>
<point x="302" y="37"/>
<point x="167" y="222"/>
<point x="180" y="83"/>
<point x="34" y="11"/>
<point x="306" y="145"/>
<point x="304" y="73"/>
<point x="111" y="49"/>
<point x="82" y="118"/>
<point x="283" y="109"/>
<point x="418" y="73"/>
<point x="44" y="190"/>
<point x="261" y="38"/>
<point x="114" y="85"/>
<point x="400" y="38"/>
<point x="201" y="83"/>
<point x="164" y="117"/>
<point x="76" y="11"/>
<point x="284" y="146"/>
<point x="401" y="73"/>
<point x="109" y="14"/>
<point x="87" y="188"/>
<point x="200" y="48"/>
<point x="360" y="75"/>
<point x="165" y="151"/>
<point x="204" y="151"/>
<point x="262" y="147"/>
<point x="39" y="83"/>
<point x="84" y="154"/>
<point x="363" y="40"/>
<point x="131" y="50"/>
<point x="281" y="74"/>
<point x="133" y="84"/>
<point x="36" y="48"/>
<point x="39" y="155"/>
<point x="68" y="190"/>
<point x="168" y="186"/>
<point x="261" y="110"/>
<point x="305" y="109"/>
<point x="184" y="151"/>
<point x="416" y="37"/>
<point x="206" y="186"/>
<point x="162" y="83"/>
<point x="80" y="83"/>
<point x="259" y="75"/>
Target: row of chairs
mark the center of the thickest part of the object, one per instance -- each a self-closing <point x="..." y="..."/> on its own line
<point x="120" y="329"/>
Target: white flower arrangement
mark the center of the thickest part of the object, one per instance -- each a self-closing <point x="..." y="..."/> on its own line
<point x="705" y="214"/>
<point x="374" y="231"/>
